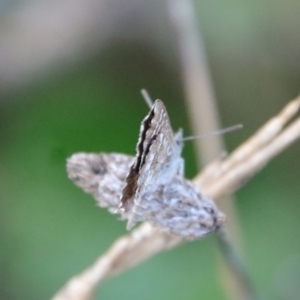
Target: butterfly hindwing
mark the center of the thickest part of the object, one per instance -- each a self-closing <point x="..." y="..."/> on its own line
<point x="100" y="174"/>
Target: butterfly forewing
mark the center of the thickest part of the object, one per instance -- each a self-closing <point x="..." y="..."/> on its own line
<point x="155" y="159"/>
<point x="100" y="174"/>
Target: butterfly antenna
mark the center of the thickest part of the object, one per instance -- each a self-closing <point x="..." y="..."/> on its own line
<point x="218" y="132"/>
<point x="147" y="98"/>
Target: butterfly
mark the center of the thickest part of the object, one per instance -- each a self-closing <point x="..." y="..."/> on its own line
<point x="150" y="187"/>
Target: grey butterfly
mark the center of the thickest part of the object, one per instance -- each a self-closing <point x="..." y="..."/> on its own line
<point x="150" y="187"/>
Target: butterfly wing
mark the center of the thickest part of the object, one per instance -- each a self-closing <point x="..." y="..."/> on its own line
<point x="179" y="208"/>
<point x="157" y="161"/>
<point x="100" y="174"/>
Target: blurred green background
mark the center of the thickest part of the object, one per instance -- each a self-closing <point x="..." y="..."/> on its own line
<point x="70" y="75"/>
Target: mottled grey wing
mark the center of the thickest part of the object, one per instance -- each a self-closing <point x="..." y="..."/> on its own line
<point x="157" y="159"/>
<point x="179" y="208"/>
<point x="102" y="175"/>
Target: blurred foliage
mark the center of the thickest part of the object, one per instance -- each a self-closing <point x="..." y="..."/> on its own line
<point x="51" y="230"/>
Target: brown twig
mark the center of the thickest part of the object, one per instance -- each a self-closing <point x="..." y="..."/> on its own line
<point x="145" y="241"/>
<point x="125" y="253"/>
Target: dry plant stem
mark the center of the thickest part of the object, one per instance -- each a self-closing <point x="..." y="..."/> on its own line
<point x="270" y="140"/>
<point x="125" y="253"/>
<point x="261" y="138"/>
<point x="145" y="241"/>
<point x="204" y="115"/>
